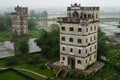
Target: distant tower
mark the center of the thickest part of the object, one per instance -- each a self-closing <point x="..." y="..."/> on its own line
<point x="20" y="21"/>
<point x="78" y="37"/>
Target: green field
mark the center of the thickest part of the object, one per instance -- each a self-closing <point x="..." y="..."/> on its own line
<point x="11" y="75"/>
<point x="5" y="35"/>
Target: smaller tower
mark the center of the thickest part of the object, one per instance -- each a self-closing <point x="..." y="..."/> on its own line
<point x="20" y="21"/>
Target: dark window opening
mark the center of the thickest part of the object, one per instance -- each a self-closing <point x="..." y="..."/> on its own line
<point x="90" y="59"/>
<point x="94" y="27"/>
<point x="71" y="29"/>
<point x="71" y="39"/>
<point x="86" y="29"/>
<point x="75" y="15"/>
<point x="71" y="49"/>
<point x="79" y="29"/>
<point x="79" y="51"/>
<point x="86" y="50"/>
<point x="63" y="38"/>
<point x="95" y="47"/>
<point x="63" y="28"/>
<point x="94" y="38"/>
<point x="79" y="41"/>
<point x="90" y="49"/>
<point x="91" y="28"/>
<point x="63" y="58"/>
<point x="63" y="48"/>
<point x="86" y="61"/>
<point x="91" y="39"/>
<point x="86" y="41"/>
<point x="79" y="62"/>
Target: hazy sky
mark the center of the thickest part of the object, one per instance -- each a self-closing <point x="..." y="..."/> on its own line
<point x="58" y="3"/>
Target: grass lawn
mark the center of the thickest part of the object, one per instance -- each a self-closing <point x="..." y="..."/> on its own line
<point x="32" y="75"/>
<point x="11" y="75"/>
<point x="33" y="33"/>
<point x="22" y="63"/>
<point x="5" y="35"/>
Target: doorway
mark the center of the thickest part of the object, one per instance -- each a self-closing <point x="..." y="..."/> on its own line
<point x="71" y="62"/>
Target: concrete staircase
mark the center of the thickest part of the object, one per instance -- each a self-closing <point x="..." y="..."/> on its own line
<point x="62" y="72"/>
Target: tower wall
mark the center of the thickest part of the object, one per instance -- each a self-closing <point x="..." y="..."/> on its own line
<point x="78" y="37"/>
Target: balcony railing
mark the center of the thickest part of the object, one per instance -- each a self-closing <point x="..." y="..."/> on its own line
<point x="73" y="20"/>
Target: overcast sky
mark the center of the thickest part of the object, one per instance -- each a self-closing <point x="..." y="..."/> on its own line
<point x="58" y="3"/>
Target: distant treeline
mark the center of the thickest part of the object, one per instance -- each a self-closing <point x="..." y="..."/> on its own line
<point x="5" y="21"/>
<point x="38" y="15"/>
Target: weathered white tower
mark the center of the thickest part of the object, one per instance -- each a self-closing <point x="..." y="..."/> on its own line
<point x="78" y="37"/>
<point x="20" y="21"/>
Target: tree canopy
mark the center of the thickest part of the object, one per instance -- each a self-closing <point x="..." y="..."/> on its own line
<point x="5" y="21"/>
<point x="102" y="46"/>
<point x="49" y="42"/>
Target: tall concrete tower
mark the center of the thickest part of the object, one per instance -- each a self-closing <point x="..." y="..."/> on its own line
<point x="78" y="36"/>
<point x="20" y="21"/>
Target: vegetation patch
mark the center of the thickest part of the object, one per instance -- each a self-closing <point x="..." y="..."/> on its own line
<point x="12" y="74"/>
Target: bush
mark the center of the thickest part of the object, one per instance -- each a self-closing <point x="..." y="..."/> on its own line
<point x="49" y="42"/>
<point x="35" y="59"/>
<point x="11" y="61"/>
<point x="23" y="45"/>
<point x="42" y="66"/>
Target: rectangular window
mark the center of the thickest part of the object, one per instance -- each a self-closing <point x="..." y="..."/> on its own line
<point x="79" y="29"/>
<point x="63" y="58"/>
<point x="63" y="48"/>
<point x="91" y="28"/>
<point x="94" y="38"/>
<point x="79" y="51"/>
<point x="95" y="47"/>
<point x="63" y="28"/>
<point x="90" y="49"/>
<point x="94" y="27"/>
<point x="79" y="41"/>
<point x="79" y="61"/>
<point x="71" y="29"/>
<point x="90" y="38"/>
<point x="86" y="60"/>
<point x="63" y="38"/>
<point x="71" y="49"/>
<point x="90" y="59"/>
<point x="86" y="41"/>
<point x="86" y="51"/>
<point x="86" y="29"/>
<point x="71" y="39"/>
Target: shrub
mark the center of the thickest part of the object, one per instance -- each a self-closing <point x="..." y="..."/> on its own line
<point x="11" y="61"/>
<point x="42" y="66"/>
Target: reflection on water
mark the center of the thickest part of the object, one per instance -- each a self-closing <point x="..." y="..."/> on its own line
<point x="7" y="48"/>
<point x="110" y="28"/>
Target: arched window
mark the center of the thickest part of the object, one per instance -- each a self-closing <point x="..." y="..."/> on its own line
<point x="75" y="15"/>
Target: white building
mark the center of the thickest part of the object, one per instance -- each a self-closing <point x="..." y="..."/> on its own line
<point x="78" y="36"/>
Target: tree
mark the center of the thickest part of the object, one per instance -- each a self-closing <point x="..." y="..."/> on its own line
<point x="113" y="57"/>
<point x="23" y="45"/>
<point x="44" y="15"/>
<point x="49" y="42"/>
<point x="102" y="46"/>
<point x="31" y="23"/>
<point x="5" y="21"/>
